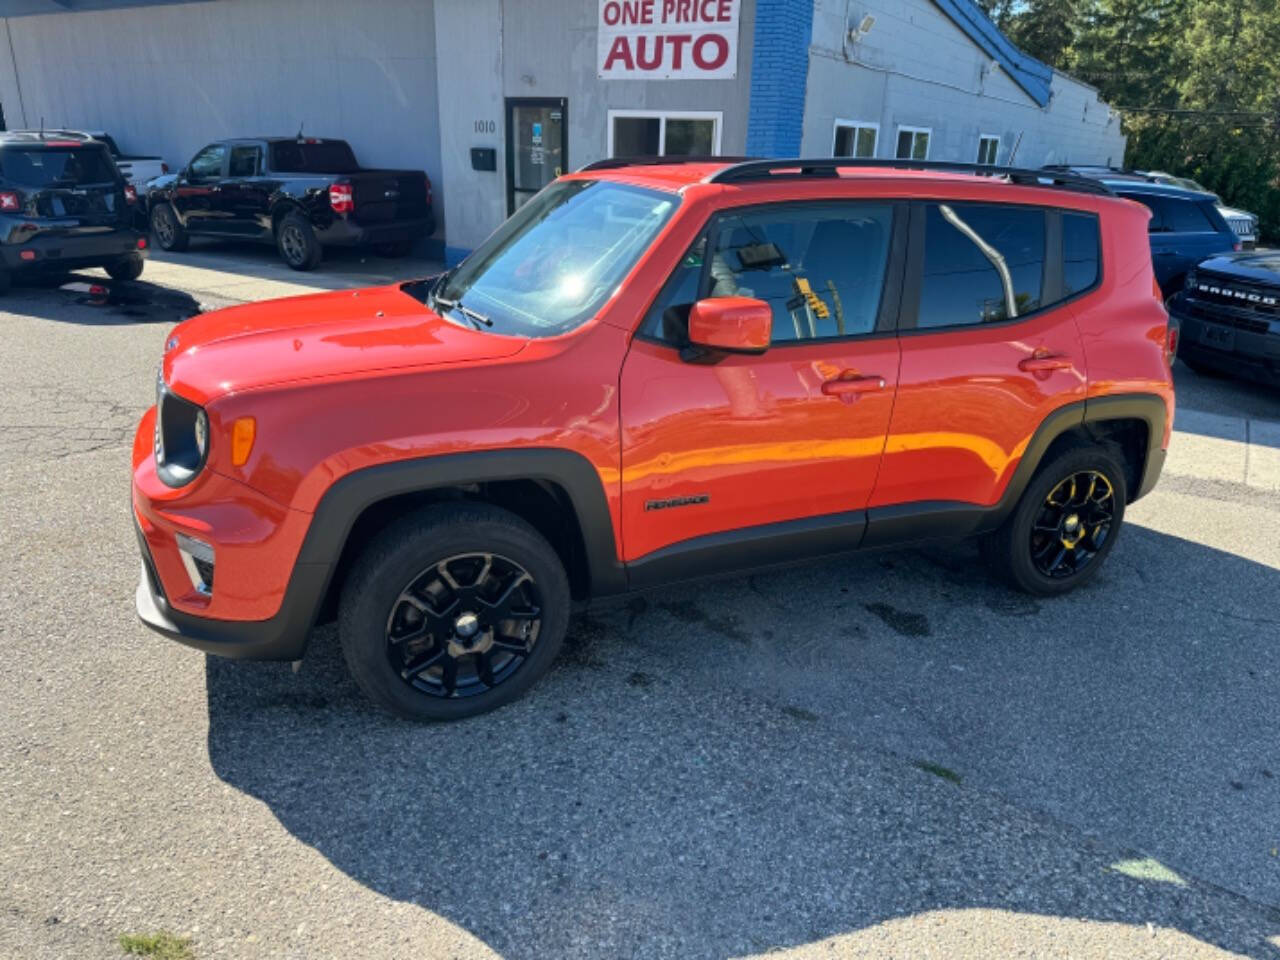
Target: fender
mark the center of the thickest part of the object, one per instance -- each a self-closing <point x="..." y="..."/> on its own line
<point x="284" y="636"/>
<point x="946" y="519"/>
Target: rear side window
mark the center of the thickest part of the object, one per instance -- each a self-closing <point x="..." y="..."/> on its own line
<point x="1080" y="253"/>
<point x="46" y="167"/>
<point x="323" y="156"/>
<point x="1187" y="216"/>
<point x="244" y="161"/>
<point x="982" y="263"/>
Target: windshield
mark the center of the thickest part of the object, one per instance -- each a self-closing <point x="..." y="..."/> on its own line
<point x="46" y="167"/>
<point x="550" y="267"/>
<point x="319" y="156"/>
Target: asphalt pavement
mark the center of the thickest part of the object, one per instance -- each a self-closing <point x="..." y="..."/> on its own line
<point x="887" y="755"/>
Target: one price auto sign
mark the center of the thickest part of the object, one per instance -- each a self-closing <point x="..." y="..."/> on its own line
<point x="668" y="39"/>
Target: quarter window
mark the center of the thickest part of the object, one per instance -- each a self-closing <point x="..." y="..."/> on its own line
<point x="855" y="139"/>
<point x="913" y="143"/>
<point x="982" y="263"/>
<point x="1079" y="252"/>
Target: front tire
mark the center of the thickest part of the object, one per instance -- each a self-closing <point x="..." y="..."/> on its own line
<point x="168" y="230"/>
<point x="130" y="268"/>
<point x="1065" y="524"/>
<point x="297" y="243"/>
<point x="452" y="612"/>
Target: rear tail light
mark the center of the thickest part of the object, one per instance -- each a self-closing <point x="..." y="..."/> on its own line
<point x="27" y="255"/>
<point x="130" y="193"/>
<point x="1171" y="340"/>
<point x="1237" y="246"/>
<point x="10" y="200"/>
<point x="142" y="243"/>
<point x="341" y="199"/>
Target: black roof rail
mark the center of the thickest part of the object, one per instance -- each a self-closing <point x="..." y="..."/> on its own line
<point x="830" y="167"/>
<point x="613" y="163"/>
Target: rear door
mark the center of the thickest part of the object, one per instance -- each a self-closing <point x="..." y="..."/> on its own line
<point x="198" y="189"/>
<point x="989" y="349"/>
<point x="779" y="451"/>
<point x="243" y="203"/>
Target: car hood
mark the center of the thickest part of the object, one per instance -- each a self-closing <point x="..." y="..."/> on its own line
<point x="318" y="336"/>
<point x="1233" y="212"/>
<point x="1261" y="267"/>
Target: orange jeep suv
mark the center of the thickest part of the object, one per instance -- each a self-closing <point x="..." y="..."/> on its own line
<point x="653" y="372"/>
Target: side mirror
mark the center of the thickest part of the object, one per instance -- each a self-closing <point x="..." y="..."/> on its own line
<point x="730" y="325"/>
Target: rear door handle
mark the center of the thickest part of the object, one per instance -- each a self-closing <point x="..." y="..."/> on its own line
<point x="848" y="388"/>
<point x="1043" y="362"/>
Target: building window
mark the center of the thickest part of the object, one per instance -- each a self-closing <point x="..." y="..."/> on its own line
<point x="988" y="148"/>
<point x="854" y="139"/>
<point x="653" y="133"/>
<point x="913" y="143"/>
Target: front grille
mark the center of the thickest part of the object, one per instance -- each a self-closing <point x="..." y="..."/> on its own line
<point x="1256" y="299"/>
<point x="1243" y="228"/>
<point x="1230" y="318"/>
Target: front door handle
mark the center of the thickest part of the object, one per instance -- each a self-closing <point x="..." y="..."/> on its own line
<point x="1044" y="362"/>
<point x="849" y="388"/>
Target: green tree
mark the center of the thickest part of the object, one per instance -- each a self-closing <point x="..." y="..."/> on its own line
<point x="1129" y="49"/>
<point x="1044" y="28"/>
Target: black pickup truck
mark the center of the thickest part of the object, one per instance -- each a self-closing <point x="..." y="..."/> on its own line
<point x="301" y="193"/>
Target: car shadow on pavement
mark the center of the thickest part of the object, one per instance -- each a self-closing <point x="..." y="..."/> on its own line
<point x="96" y="301"/>
<point x="766" y="763"/>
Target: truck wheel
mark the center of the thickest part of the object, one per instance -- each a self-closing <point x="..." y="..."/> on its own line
<point x="170" y="234"/>
<point x="130" y="268"/>
<point x="1065" y="524"/>
<point x="297" y="243"/>
<point x="454" y="611"/>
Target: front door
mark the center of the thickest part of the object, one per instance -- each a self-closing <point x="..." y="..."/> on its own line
<point x="198" y="188"/>
<point x="778" y="451"/>
<point x="537" y="146"/>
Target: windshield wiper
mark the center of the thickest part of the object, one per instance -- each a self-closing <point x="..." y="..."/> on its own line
<point x="479" y="319"/>
<point x="434" y="299"/>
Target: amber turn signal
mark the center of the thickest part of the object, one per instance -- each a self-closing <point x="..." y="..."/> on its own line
<point x="243" y="432"/>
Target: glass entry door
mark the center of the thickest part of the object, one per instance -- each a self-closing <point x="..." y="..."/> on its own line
<point x="537" y="147"/>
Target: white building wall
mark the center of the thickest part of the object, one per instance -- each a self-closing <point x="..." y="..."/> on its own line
<point x="917" y="68"/>
<point x="168" y="79"/>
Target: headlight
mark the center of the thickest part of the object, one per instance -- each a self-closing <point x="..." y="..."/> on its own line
<point x="182" y="438"/>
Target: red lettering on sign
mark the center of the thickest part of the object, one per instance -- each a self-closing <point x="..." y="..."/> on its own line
<point x="649" y="63"/>
<point x="646" y="11"/>
<point x="719" y="55"/>
<point x="668" y="8"/>
<point x="620" y="51"/>
<point x="612" y="13"/>
<point x="723" y="13"/>
<point x="678" y="42"/>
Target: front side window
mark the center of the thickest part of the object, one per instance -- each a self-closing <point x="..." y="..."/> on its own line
<point x="982" y="263"/>
<point x="821" y="270"/>
<point x="208" y="162"/>
<point x="663" y="134"/>
<point x="913" y="143"/>
<point x="553" y="264"/>
<point x="855" y="140"/>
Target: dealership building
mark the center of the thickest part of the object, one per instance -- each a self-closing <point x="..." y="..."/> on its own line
<point x="494" y="98"/>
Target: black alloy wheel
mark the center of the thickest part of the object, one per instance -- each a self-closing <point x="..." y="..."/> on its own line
<point x="464" y="625"/>
<point x="1073" y="524"/>
<point x="168" y="231"/>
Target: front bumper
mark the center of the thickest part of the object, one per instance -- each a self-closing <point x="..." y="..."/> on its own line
<point x="1237" y="342"/>
<point x="53" y="250"/>
<point x="263" y="602"/>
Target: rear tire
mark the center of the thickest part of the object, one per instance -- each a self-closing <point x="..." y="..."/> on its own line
<point x="297" y="243"/>
<point x="1065" y="524"/>
<point x="430" y="628"/>
<point x="168" y="230"/>
<point x="130" y="268"/>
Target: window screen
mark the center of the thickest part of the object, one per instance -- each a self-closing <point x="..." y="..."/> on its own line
<point x="982" y="263"/>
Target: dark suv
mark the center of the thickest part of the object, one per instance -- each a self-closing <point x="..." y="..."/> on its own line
<point x="1229" y="312"/>
<point x="65" y="206"/>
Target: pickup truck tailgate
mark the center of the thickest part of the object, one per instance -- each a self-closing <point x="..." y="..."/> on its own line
<point x="388" y="196"/>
